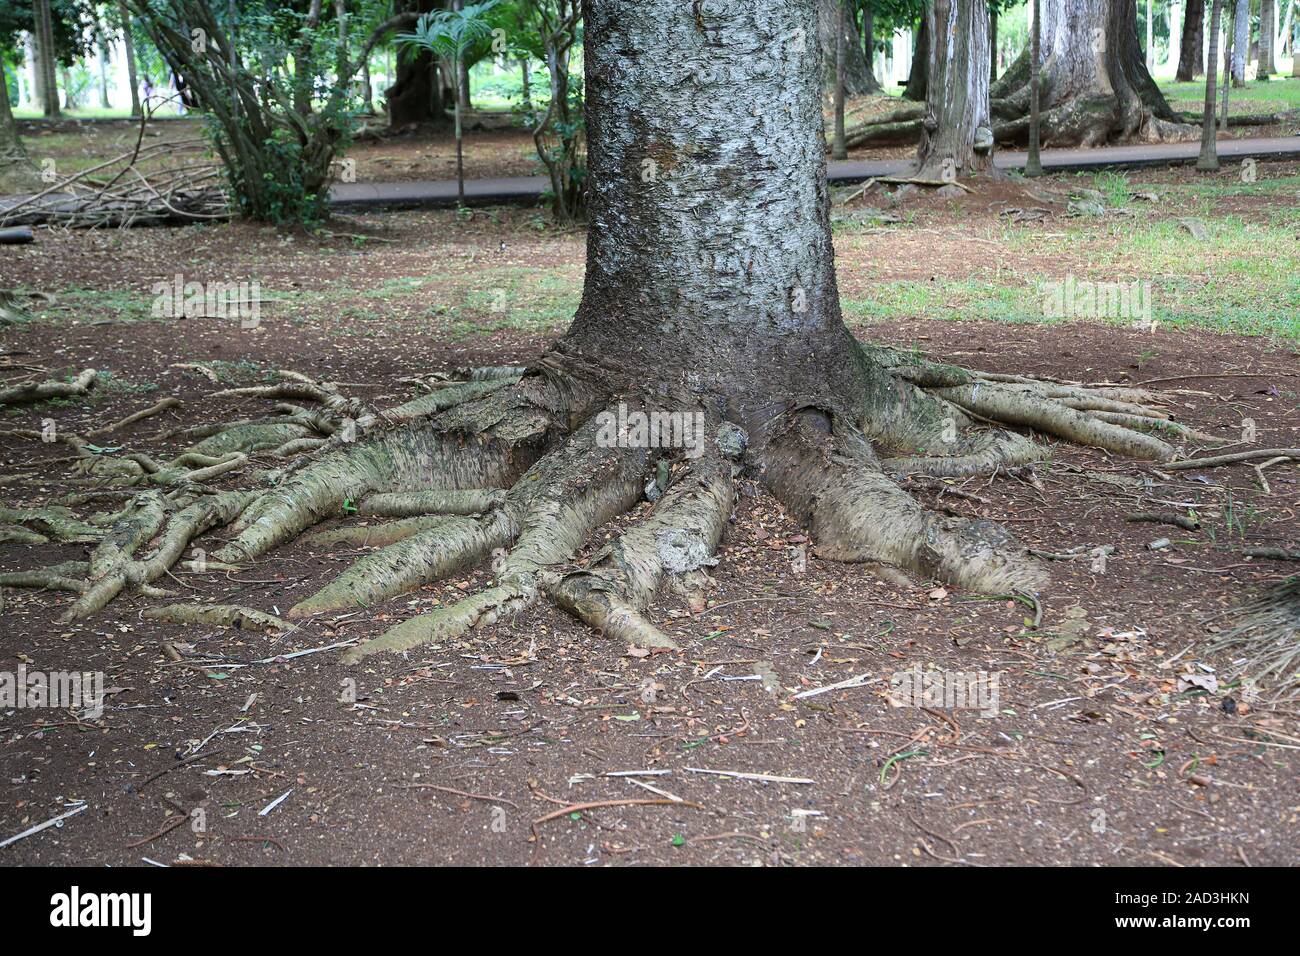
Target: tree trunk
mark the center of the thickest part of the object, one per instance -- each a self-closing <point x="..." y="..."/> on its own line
<point x="45" y="45"/>
<point x="128" y="41"/>
<point x="957" y="135"/>
<point x="857" y="69"/>
<point x="1096" y="87"/>
<point x="17" y="174"/>
<point x="416" y="95"/>
<point x="1267" y="25"/>
<point x="869" y="48"/>
<point x="721" y="274"/>
<point x="1191" y="52"/>
<point x="104" y="48"/>
<point x="1150" y="48"/>
<point x="1229" y="39"/>
<point x="1295" y="43"/>
<point x="838" y="149"/>
<point x="1240" y="42"/>
<point x="916" y="79"/>
<point x="1209" y="158"/>
<point x="38" y="68"/>
<point x="1033" y="160"/>
<point x="993" y="46"/>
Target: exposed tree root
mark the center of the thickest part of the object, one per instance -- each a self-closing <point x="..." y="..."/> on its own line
<point x="111" y="567"/>
<point x="468" y="501"/>
<point x="683" y="531"/>
<point x="512" y="465"/>
<point x="42" y="391"/>
<point x="548" y="514"/>
<point x="218" y="615"/>
<point x="858" y="514"/>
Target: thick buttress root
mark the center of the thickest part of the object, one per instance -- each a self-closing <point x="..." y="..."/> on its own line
<point x="612" y="591"/>
<point x="858" y="514"/>
<point x="512" y="465"/>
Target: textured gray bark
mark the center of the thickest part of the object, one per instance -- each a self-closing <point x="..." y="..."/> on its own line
<point x="1191" y="53"/>
<point x="1096" y="87"/>
<point x="957" y="91"/>
<point x="1267" y="16"/>
<point x="709" y="253"/>
<point x="1240" y="42"/>
<point x="49" y="86"/>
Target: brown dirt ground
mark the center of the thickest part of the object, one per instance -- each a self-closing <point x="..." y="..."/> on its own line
<point x="1095" y="755"/>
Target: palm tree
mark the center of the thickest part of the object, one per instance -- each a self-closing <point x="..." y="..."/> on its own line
<point x="450" y="34"/>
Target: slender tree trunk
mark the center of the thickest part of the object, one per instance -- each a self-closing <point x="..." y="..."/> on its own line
<point x="1229" y="40"/>
<point x="838" y="149"/>
<point x="1209" y="158"/>
<point x="128" y="41"/>
<point x="1267" y="26"/>
<point x="1096" y="87"/>
<point x="869" y="48"/>
<point x="103" y="50"/>
<point x="460" y="152"/>
<point x="916" y="80"/>
<point x="993" y="47"/>
<point x="1240" y="42"/>
<point x="1033" y="162"/>
<point x="1150" y="48"/>
<point x="45" y="42"/>
<point x="957" y="135"/>
<point x="1191" y="53"/>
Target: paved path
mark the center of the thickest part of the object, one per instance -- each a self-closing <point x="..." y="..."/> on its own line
<point x="526" y="189"/>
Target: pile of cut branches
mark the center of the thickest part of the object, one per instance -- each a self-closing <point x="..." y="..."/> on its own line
<point x="150" y="184"/>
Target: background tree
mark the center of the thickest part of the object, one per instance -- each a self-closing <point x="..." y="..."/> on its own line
<point x="957" y="134"/>
<point x="916" y="79"/>
<point x="452" y="35"/>
<point x="839" y="150"/>
<point x="1034" y="161"/>
<point x="1267" y="16"/>
<point x="47" y="57"/>
<point x="418" y="93"/>
<point x="1191" y="53"/>
<point x="1240" y="42"/>
<point x="1208" y="161"/>
<point x="1096" y="86"/>
<point x="278" y="101"/>
<point x="17" y="174"/>
<point x="858" y="78"/>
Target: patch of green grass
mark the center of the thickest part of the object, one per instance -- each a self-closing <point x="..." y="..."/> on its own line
<point x="1114" y="186"/>
<point x="1277" y="95"/>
